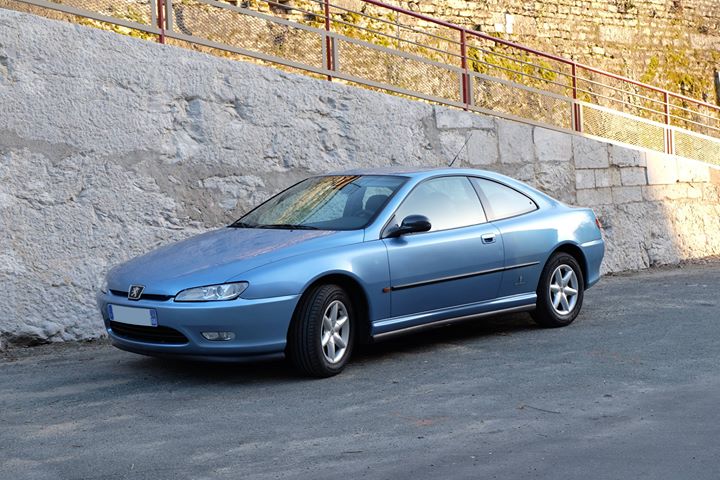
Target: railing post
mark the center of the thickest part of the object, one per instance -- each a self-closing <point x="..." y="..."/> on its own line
<point x="464" y="66"/>
<point x="161" y="20"/>
<point x="669" y="147"/>
<point x="329" y="44"/>
<point x="168" y="15"/>
<point x="153" y="13"/>
<point x="577" y="110"/>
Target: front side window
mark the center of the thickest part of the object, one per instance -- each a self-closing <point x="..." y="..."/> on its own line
<point x="338" y="202"/>
<point x="501" y="201"/>
<point x="448" y="202"/>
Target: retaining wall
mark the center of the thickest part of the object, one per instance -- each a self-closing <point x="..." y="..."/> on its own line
<point x="110" y="146"/>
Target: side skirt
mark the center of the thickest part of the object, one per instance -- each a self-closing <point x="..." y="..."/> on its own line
<point x="450" y="321"/>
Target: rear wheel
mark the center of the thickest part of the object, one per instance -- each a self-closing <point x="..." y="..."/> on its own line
<point x="322" y="333"/>
<point x="560" y="292"/>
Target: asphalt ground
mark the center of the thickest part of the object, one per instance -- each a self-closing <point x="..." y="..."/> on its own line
<point x="631" y="390"/>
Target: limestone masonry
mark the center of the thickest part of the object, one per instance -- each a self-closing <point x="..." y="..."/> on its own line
<point x="110" y="146"/>
<point x="674" y="44"/>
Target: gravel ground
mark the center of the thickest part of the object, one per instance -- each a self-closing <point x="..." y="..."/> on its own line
<point x="630" y="390"/>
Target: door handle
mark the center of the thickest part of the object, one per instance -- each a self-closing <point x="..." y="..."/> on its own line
<point x="488" y="238"/>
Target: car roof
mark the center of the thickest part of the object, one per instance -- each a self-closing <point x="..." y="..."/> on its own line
<point x="419" y="173"/>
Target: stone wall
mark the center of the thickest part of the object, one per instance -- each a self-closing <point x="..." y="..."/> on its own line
<point x="674" y="44"/>
<point x="110" y="146"/>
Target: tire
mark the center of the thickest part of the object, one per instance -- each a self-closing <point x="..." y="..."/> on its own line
<point x="317" y="334"/>
<point x="557" y="306"/>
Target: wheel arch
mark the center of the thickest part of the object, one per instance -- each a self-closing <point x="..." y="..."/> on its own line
<point x="358" y="295"/>
<point x="576" y="252"/>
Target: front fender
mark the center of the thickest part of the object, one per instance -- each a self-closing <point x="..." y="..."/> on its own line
<point x="365" y="262"/>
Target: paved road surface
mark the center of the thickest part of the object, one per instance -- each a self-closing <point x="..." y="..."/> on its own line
<point x="630" y="391"/>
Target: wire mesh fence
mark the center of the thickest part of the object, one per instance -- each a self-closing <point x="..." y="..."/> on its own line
<point x="380" y="46"/>
<point x="691" y="145"/>
<point x="405" y="73"/>
<point x="504" y="96"/>
<point x="229" y="26"/>
<point x="605" y="123"/>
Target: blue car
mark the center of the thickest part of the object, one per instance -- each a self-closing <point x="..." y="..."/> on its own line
<point x="353" y="257"/>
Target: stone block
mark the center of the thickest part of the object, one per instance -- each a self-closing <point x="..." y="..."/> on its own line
<point x="552" y="146"/>
<point x="676" y="191"/>
<point x="715" y="175"/>
<point x="692" y="171"/>
<point x="447" y="118"/>
<point x="653" y="193"/>
<point x="602" y="177"/>
<point x="592" y="197"/>
<point x="627" y="194"/>
<point x="626" y="157"/>
<point x="589" y="153"/>
<point x="585" y="178"/>
<point x="633" y="176"/>
<point x="482" y="148"/>
<point x="515" y="142"/>
<point x="610" y="34"/>
<point x="608" y="177"/>
<point x="661" y="168"/>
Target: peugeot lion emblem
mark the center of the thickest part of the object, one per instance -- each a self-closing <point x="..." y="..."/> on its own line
<point x="135" y="292"/>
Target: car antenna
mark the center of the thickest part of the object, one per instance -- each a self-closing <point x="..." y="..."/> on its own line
<point x="461" y="149"/>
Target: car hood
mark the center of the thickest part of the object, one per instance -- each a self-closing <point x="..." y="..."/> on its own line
<point x="217" y="256"/>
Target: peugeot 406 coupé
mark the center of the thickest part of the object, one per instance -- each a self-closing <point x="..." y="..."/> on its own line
<point x="342" y="258"/>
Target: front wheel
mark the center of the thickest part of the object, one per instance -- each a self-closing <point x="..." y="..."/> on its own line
<point x="322" y="334"/>
<point x="560" y="292"/>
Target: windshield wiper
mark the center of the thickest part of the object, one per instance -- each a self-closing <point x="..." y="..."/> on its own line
<point x="287" y="226"/>
<point x="241" y="225"/>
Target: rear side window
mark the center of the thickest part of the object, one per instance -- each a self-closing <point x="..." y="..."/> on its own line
<point x="448" y="202"/>
<point x="501" y="201"/>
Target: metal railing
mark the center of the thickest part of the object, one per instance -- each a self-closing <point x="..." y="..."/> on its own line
<point x="385" y="47"/>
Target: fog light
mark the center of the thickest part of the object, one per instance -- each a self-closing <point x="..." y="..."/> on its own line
<point x="218" y="336"/>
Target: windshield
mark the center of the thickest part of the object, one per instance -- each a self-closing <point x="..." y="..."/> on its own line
<point x="339" y="202"/>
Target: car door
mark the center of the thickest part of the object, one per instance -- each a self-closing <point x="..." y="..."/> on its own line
<point x="526" y="237"/>
<point x="457" y="262"/>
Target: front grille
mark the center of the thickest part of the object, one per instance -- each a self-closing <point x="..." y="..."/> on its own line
<point x="145" y="296"/>
<point x="158" y="334"/>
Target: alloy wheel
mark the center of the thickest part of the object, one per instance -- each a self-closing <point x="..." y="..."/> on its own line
<point x="563" y="289"/>
<point x="335" y="332"/>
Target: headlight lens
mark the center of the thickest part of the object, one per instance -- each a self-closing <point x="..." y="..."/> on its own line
<point x="211" y="293"/>
<point x="104" y="285"/>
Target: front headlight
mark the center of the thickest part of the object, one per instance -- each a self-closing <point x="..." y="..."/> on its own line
<point x="104" y="285"/>
<point x="227" y="291"/>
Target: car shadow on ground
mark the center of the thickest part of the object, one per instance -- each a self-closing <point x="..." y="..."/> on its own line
<point x="281" y="371"/>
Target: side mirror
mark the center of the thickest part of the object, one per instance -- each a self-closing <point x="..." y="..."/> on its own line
<point x="411" y="224"/>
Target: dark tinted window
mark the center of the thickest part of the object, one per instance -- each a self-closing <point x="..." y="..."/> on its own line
<point x="501" y="201"/>
<point x="449" y="202"/>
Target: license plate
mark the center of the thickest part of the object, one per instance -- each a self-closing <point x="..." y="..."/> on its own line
<point x="145" y="317"/>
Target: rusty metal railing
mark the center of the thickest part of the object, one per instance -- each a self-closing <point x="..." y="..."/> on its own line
<point x="381" y="46"/>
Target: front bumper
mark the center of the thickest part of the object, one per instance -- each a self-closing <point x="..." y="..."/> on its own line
<point x="260" y="327"/>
